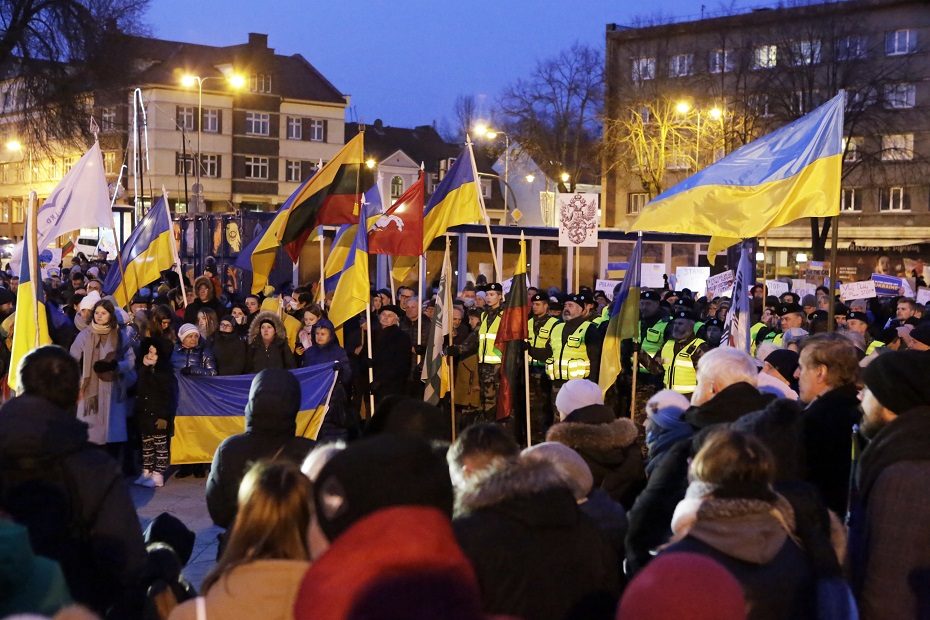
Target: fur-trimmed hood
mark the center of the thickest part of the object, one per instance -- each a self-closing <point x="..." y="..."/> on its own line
<point x="508" y="481"/>
<point x="621" y="433"/>
<point x="255" y="327"/>
<point x="205" y="281"/>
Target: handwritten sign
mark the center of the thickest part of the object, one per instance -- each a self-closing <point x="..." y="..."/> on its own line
<point x="776" y="287"/>
<point x="607" y="286"/>
<point x="652" y="275"/>
<point x="694" y="278"/>
<point x="720" y="285"/>
<point x="858" y="290"/>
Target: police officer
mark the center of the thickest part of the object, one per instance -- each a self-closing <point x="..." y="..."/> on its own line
<point x="790" y="315"/>
<point x="652" y="323"/>
<point x="481" y="341"/>
<point x="677" y="361"/>
<point x="541" y="324"/>
<point x="574" y="347"/>
<point x="711" y="332"/>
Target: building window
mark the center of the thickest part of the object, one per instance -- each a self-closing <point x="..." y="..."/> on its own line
<point x="256" y="168"/>
<point x="721" y="61"/>
<point x="397" y="187"/>
<point x="859" y="100"/>
<point x="644" y="69"/>
<point x="5" y="212"/>
<point x="486" y="189"/>
<point x="17" y="210"/>
<point x="183" y="164"/>
<point x="894" y="199"/>
<point x="851" y="200"/>
<point x="851" y="149"/>
<point x="67" y="163"/>
<point x="257" y="123"/>
<point x="295" y="128"/>
<point x="900" y="96"/>
<point x="210" y="166"/>
<point x="759" y="104"/>
<point x="293" y="171"/>
<point x="898" y="42"/>
<point x="109" y="163"/>
<point x="211" y="120"/>
<point x="764" y="56"/>
<point x="677" y="158"/>
<point x="185" y="118"/>
<point x="681" y="65"/>
<point x="802" y="102"/>
<point x="805" y="53"/>
<point x="898" y="147"/>
<point x="260" y="83"/>
<point x="317" y="131"/>
<point x="853" y="47"/>
<point x="635" y="202"/>
<point x="107" y="119"/>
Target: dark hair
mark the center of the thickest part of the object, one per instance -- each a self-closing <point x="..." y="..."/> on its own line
<point x="487" y="439"/>
<point x="51" y="373"/>
<point x="107" y="305"/>
<point x="835" y="352"/>
<point x="737" y="464"/>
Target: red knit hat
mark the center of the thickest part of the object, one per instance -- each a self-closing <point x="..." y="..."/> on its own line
<point x="683" y="585"/>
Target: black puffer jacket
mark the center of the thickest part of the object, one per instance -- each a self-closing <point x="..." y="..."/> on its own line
<point x="270" y="431"/>
<point x="34" y="430"/>
<point x="156" y="388"/>
<point x="276" y="355"/>
<point x="230" y="353"/>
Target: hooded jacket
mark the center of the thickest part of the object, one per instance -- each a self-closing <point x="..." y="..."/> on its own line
<point x="156" y="388"/>
<point x="328" y="353"/>
<point x="608" y="446"/>
<point x="31" y="428"/>
<point x="195" y="306"/>
<point x="277" y="354"/>
<point x="536" y="555"/>
<point x="270" y="431"/>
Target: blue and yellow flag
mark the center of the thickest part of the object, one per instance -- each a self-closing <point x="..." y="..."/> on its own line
<point x="624" y="318"/>
<point x="457" y="200"/>
<point x="210" y="409"/>
<point x="30" y="324"/>
<point x="148" y="251"/>
<point x="259" y="255"/>
<point x="791" y="173"/>
<point x="353" y="292"/>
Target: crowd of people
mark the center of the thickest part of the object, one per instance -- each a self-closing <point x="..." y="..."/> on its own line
<point x="788" y="482"/>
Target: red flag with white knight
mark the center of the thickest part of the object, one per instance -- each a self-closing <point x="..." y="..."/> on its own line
<point x="399" y="230"/>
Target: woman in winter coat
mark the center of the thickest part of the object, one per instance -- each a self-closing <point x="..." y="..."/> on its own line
<point x="338" y="423"/>
<point x="229" y="348"/>
<point x="192" y="356"/>
<point x="260" y="571"/>
<point x="732" y="515"/>
<point x="156" y="404"/>
<point x="268" y="346"/>
<point x="308" y="318"/>
<point x="107" y="372"/>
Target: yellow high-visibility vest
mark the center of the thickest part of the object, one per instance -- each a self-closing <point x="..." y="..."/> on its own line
<point x="568" y="361"/>
<point x="680" y="373"/>
<point x="487" y="334"/>
<point x="539" y="339"/>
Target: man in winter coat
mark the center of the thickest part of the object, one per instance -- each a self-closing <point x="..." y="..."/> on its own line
<point x="268" y="346"/>
<point x="391" y="354"/>
<point x="70" y="495"/>
<point x="270" y="432"/>
<point x="206" y="298"/>
<point x="827" y="373"/>
<point x="339" y="421"/>
<point x="889" y="538"/>
<point x="725" y="391"/>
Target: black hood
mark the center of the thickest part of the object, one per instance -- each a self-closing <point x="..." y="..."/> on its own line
<point x="274" y="400"/>
<point x="30" y="425"/>
<point x="728" y="405"/>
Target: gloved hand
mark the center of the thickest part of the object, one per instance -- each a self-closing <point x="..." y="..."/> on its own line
<point x="419" y="349"/>
<point x="337" y="366"/>
<point x="161" y="424"/>
<point x="186" y="371"/>
<point x="104" y="366"/>
<point x="450" y="350"/>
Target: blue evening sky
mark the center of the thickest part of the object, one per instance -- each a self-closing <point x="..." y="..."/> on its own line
<point x="405" y="61"/>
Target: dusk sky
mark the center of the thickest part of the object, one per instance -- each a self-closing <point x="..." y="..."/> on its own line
<point x="405" y="61"/>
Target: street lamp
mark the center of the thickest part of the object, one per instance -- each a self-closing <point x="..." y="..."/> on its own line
<point x="715" y="114"/>
<point x="483" y="131"/>
<point x="189" y="80"/>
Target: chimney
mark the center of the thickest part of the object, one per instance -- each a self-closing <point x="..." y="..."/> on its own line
<point x="257" y="39"/>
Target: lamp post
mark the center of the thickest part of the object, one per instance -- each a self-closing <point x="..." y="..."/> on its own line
<point x="714" y="113"/>
<point x="188" y="81"/>
<point x="484" y="131"/>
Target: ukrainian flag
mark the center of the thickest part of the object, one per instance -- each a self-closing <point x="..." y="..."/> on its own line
<point x="210" y="409"/>
<point x="148" y="251"/>
<point x="353" y="292"/>
<point x="624" y="318"/>
<point x="791" y="173"/>
<point x="457" y="200"/>
<point x="30" y="324"/>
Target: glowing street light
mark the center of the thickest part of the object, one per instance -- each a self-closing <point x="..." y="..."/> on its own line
<point x="370" y="163"/>
<point x="565" y="177"/>
<point x="530" y="178"/>
<point x="682" y="107"/>
<point x="483" y="131"/>
<point x="715" y="113"/>
<point x="14" y="145"/>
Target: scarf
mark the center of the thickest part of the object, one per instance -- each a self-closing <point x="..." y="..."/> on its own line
<point x="95" y="348"/>
<point x="664" y="428"/>
<point x="306" y="337"/>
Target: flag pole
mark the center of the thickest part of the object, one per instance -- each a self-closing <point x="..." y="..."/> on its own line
<point x="484" y="212"/>
<point x="420" y="260"/>
<point x="526" y="374"/>
<point x="577" y="261"/>
<point x="834" y="240"/>
<point x="447" y="307"/>
<point x="634" y="365"/>
<point x="390" y="261"/>
<point x="322" y="271"/>
<point x="33" y="264"/>
<point x="174" y="248"/>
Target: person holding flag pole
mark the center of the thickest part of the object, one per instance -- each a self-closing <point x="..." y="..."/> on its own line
<point x="437" y="371"/>
<point x="510" y="340"/>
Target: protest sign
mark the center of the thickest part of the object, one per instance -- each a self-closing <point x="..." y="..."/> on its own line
<point x="720" y="285"/>
<point x="652" y="275"/>
<point x="776" y="287"/>
<point x="857" y="290"/>
<point x="607" y="286"/>
<point x="887" y="286"/>
<point x="693" y="278"/>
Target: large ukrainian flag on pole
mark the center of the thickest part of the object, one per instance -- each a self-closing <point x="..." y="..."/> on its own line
<point x="148" y="251"/>
<point x="353" y="292"/>
<point x="791" y="173"/>
<point x="624" y="318"/>
<point x="30" y="325"/>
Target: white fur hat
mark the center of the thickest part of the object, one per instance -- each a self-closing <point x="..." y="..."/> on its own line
<point x="577" y="393"/>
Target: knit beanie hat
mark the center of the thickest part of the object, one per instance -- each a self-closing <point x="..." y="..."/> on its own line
<point x="898" y="379"/>
<point x="921" y="334"/>
<point x="380" y="472"/>
<point x="577" y="393"/>
<point x="187" y="329"/>
<point x="683" y="585"/>
<point x="571" y="467"/>
<point x="785" y="361"/>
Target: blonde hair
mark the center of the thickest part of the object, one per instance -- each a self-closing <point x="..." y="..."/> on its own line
<point x="735" y="464"/>
<point x="275" y="509"/>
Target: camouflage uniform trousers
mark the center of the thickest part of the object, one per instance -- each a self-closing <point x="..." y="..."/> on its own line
<point x="540" y="403"/>
<point x="489" y="380"/>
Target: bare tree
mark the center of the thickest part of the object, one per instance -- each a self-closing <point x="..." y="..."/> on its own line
<point x="54" y="54"/>
<point x="554" y="113"/>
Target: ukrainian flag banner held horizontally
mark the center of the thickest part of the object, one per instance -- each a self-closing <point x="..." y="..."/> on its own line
<point x="148" y="251"/>
<point x="791" y="173"/>
<point x="624" y="318"/>
<point x="457" y="200"/>
<point x="30" y="324"/>
<point x="210" y="409"/>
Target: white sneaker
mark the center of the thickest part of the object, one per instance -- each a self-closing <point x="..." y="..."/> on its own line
<point x="157" y="479"/>
<point x="145" y="480"/>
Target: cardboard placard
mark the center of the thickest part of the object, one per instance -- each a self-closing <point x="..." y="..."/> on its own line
<point x="806" y="289"/>
<point x="797" y="283"/>
<point x="607" y="286"/>
<point x="652" y="275"/>
<point x="887" y="286"/>
<point x="864" y="289"/>
<point x="721" y="285"/>
<point x="694" y="278"/>
<point x="776" y="287"/>
<point x="923" y="296"/>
